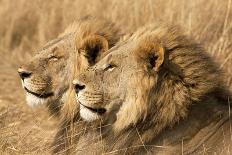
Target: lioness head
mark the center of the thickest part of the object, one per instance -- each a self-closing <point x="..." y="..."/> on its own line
<point x="46" y="76"/>
<point x="151" y="77"/>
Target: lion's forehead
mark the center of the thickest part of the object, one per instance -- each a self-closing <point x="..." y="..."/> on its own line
<point x="120" y="52"/>
<point x="62" y="44"/>
<point x="59" y="40"/>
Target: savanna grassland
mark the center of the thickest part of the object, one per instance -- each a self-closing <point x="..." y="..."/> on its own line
<point x="27" y="25"/>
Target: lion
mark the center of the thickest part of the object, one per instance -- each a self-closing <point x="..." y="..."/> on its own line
<point x="155" y="92"/>
<point x="46" y="77"/>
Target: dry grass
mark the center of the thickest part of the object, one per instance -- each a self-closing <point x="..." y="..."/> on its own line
<point x="27" y="25"/>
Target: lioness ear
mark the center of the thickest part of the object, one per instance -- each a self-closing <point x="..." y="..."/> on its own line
<point x="152" y="52"/>
<point x="92" y="47"/>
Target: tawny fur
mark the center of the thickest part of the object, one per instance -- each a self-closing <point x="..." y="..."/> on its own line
<point x="180" y="96"/>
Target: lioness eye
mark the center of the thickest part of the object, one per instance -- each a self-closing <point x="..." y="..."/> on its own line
<point x="109" y="67"/>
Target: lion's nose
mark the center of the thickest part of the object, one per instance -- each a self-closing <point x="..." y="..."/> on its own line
<point x="78" y="86"/>
<point x="24" y="73"/>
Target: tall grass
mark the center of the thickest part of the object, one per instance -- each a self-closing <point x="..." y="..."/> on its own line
<point x="27" y="25"/>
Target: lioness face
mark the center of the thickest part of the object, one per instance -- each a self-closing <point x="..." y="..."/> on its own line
<point x="44" y="77"/>
<point x="119" y="83"/>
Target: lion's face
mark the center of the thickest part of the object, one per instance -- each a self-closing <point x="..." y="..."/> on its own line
<point x="44" y="77"/>
<point x="120" y="85"/>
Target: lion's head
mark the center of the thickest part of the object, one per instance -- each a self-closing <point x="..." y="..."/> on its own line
<point x="148" y="80"/>
<point x="46" y="76"/>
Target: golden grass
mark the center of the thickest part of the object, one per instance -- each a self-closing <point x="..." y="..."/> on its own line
<point x="27" y="25"/>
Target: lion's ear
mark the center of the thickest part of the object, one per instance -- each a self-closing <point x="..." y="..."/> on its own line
<point x="92" y="47"/>
<point x="152" y="52"/>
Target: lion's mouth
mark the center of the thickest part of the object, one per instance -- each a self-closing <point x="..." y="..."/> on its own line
<point x="42" y="95"/>
<point x="95" y="110"/>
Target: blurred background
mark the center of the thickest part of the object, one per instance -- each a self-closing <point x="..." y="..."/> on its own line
<point x="27" y="25"/>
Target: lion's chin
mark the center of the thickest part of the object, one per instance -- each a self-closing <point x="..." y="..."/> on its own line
<point x="87" y="114"/>
<point x="33" y="101"/>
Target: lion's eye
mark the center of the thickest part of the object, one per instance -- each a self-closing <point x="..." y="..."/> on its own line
<point x="53" y="58"/>
<point x="109" y="67"/>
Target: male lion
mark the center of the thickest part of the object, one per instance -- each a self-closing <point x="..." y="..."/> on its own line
<point x="46" y="76"/>
<point x="156" y="92"/>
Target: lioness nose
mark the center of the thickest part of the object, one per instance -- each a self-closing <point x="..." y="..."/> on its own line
<point x="78" y="86"/>
<point x="24" y="73"/>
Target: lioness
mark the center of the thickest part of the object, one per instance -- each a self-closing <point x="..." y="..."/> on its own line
<point x="157" y="92"/>
<point x="46" y="76"/>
